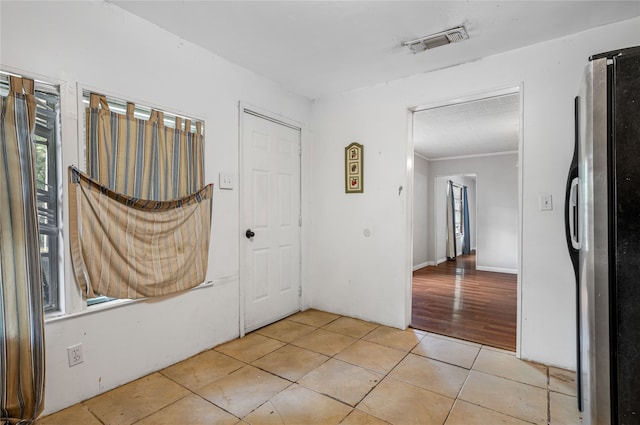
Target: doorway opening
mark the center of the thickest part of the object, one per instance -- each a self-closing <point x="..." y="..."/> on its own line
<point x="472" y="146"/>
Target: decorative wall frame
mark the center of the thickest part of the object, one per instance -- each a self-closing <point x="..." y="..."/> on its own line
<point x="353" y="168"/>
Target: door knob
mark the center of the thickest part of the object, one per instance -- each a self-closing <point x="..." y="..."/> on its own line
<point x="249" y="234"/>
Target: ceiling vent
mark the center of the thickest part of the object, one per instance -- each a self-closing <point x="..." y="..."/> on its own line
<point x="436" y="40"/>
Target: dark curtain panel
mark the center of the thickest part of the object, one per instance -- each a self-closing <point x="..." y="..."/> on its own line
<point x="466" y="240"/>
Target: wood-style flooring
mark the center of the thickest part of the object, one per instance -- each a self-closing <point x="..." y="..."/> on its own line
<point x="457" y="300"/>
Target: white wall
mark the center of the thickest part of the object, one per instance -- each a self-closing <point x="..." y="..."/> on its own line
<point x="496" y="210"/>
<point x="370" y="277"/>
<point x="420" y="213"/>
<point x="102" y="46"/>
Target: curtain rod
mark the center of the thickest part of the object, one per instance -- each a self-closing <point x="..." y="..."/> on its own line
<point x="42" y="86"/>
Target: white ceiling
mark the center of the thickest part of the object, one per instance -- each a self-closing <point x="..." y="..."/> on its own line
<point x="320" y="48"/>
<point x="476" y="127"/>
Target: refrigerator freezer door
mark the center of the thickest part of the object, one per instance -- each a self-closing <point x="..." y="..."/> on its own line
<point x="625" y="240"/>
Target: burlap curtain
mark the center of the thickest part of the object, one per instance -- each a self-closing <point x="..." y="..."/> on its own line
<point x="142" y="158"/>
<point x="21" y="303"/>
<point x="125" y="247"/>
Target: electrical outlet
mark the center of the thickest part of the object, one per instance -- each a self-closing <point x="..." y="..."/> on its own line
<point x="75" y="355"/>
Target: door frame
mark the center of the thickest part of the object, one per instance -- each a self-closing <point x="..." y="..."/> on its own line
<point x="245" y="107"/>
<point x="512" y="88"/>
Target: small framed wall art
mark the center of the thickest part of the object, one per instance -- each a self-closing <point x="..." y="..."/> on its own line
<point x="353" y="168"/>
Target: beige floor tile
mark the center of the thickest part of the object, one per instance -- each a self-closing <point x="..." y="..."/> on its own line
<point x="290" y="362"/>
<point x="191" y="410"/>
<point x="324" y="342"/>
<point x="512" y="398"/>
<point x="430" y="374"/>
<point x="202" y="369"/>
<point x="564" y="409"/>
<point x="243" y="390"/>
<point x="342" y="381"/>
<point x="498" y="350"/>
<point x="136" y="400"/>
<point x="371" y="356"/>
<point x="286" y="330"/>
<point x="401" y="403"/>
<point x="358" y="417"/>
<point x="464" y="413"/>
<point x="458" y="340"/>
<point x="352" y="327"/>
<point x="74" y="415"/>
<point x="297" y="406"/>
<point x="313" y="317"/>
<point x="562" y="381"/>
<point x="249" y="348"/>
<point x="403" y="340"/>
<point x="448" y="350"/>
<point x="508" y="366"/>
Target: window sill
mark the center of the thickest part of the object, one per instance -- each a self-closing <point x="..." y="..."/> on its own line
<point x="58" y="316"/>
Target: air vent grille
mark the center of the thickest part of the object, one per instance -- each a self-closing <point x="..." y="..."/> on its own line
<point x="443" y="38"/>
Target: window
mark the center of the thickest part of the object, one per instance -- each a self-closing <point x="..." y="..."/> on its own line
<point x="46" y="139"/>
<point x="457" y="203"/>
<point x="132" y="127"/>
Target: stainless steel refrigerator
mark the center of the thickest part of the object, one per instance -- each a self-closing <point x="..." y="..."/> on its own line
<point x="603" y="233"/>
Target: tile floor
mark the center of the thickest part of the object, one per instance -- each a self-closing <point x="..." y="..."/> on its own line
<point x="320" y="368"/>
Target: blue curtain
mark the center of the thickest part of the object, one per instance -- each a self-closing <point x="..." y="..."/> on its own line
<point x="466" y="240"/>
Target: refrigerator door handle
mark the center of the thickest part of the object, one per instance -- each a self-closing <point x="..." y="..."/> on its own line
<point x="573" y="213"/>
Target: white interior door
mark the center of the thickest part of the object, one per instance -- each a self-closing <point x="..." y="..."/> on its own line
<point x="270" y="219"/>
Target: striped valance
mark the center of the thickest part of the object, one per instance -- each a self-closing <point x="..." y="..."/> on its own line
<point x="142" y="158"/>
<point x="126" y="247"/>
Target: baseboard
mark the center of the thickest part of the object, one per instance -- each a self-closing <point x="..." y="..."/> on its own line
<point x="441" y="260"/>
<point x="423" y="265"/>
<point x="496" y="269"/>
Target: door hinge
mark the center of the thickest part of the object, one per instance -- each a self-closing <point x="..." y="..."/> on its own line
<point x="299" y="221"/>
<point x="299" y="291"/>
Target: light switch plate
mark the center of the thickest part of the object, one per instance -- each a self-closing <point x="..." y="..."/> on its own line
<point x="546" y="202"/>
<point x="226" y="181"/>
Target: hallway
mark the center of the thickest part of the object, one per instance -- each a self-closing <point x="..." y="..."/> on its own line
<point x="455" y="299"/>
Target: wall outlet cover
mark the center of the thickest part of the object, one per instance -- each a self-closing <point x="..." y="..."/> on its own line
<point x="226" y="181"/>
<point x="75" y="355"/>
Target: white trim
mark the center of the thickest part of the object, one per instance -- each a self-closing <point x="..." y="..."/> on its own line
<point x="419" y="155"/>
<point x="474" y="155"/>
<point x="423" y="265"/>
<point x="441" y="260"/>
<point x="408" y="203"/>
<point x="109" y="305"/>
<point x="473" y="97"/>
<point x="497" y="269"/>
<point x="245" y="107"/>
<point x="520" y="227"/>
<point x="271" y="116"/>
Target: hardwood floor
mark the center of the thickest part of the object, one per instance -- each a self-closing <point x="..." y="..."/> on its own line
<point x="455" y="299"/>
